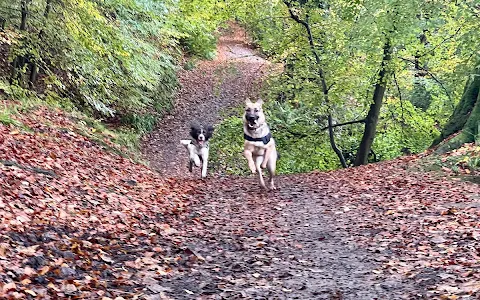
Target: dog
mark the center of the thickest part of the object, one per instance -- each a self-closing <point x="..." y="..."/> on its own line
<point x="198" y="149"/>
<point x="259" y="147"/>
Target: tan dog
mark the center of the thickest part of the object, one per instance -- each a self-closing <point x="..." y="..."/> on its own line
<point x="259" y="147"/>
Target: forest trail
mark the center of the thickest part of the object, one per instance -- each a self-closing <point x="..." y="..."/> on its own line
<point x="350" y="234"/>
<point x="211" y="88"/>
<point x="79" y="221"/>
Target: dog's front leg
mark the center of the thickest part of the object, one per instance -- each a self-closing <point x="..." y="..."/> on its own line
<point x="266" y="157"/>
<point x="196" y="159"/>
<point x="204" y="164"/>
<point x="251" y="164"/>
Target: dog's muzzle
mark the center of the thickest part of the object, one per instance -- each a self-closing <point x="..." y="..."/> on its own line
<point x="201" y="139"/>
<point x="251" y="119"/>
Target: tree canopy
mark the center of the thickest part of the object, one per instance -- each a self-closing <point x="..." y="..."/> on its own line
<point x="369" y="79"/>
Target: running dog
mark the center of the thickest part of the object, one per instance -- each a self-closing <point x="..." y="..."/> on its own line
<point x="259" y="146"/>
<point x="198" y="147"/>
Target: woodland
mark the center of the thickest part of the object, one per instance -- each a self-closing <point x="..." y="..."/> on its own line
<point x="361" y="81"/>
<point x="374" y="106"/>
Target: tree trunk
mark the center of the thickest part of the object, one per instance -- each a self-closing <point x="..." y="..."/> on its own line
<point x="19" y="61"/>
<point x="33" y="65"/>
<point x="332" y="142"/>
<point x="374" y="111"/>
<point x="465" y="118"/>
<point x="323" y="81"/>
<point x="23" y="23"/>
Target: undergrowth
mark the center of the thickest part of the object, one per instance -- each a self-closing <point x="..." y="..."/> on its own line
<point x="121" y="140"/>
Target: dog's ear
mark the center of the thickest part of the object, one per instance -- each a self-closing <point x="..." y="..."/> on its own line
<point x="194" y="129"/>
<point x="260" y="102"/>
<point x="248" y="101"/>
<point x="194" y="126"/>
<point x="209" y="132"/>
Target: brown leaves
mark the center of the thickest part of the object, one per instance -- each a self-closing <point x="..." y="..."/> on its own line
<point x="72" y="233"/>
<point x="107" y="228"/>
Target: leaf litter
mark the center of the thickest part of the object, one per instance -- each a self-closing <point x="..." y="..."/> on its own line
<point x="105" y="227"/>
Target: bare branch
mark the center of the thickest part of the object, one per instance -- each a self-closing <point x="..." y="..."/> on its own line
<point x="431" y="75"/>
<point x="442" y="42"/>
<point x="343" y="124"/>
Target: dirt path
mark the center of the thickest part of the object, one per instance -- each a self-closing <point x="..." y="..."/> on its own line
<point x="274" y="246"/>
<point x="207" y="90"/>
<point x="375" y="232"/>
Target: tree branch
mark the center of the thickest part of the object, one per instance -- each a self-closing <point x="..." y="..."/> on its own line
<point x="322" y="78"/>
<point x="431" y="75"/>
<point x="343" y="124"/>
<point x="11" y="163"/>
<point x="441" y="43"/>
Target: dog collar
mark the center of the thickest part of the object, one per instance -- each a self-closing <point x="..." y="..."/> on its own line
<point x="264" y="139"/>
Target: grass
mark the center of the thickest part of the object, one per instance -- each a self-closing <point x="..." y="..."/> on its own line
<point x="6" y="118"/>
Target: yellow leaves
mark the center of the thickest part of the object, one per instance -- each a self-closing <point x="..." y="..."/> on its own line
<point x="30" y="292"/>
<point x="122" y="53"/>
<point x="44" y="270"/>
<point x="448" y="297"/>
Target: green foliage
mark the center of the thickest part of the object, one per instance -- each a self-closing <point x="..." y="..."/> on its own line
<point x="296" y="138"/>
<point x="403" y="129"/>
<point x="115" y="57"/>
<point x="227" y="146"/>
<point x="433" y="45"/>
<point x="197" y="21"/>
<point x="112" y="57"/>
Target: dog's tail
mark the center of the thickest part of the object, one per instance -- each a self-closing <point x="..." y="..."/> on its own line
<point x="185" y="142"/>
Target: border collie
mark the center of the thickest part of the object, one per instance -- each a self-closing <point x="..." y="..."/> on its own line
<point x="198" y="149"/>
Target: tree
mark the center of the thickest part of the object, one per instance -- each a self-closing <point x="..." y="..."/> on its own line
<point x="321" y="78"/>
<point x="373" y="115"/>
<point x="465" y="119"/>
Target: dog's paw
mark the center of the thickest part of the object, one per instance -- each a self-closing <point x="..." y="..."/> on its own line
<point x="185" y="142"/>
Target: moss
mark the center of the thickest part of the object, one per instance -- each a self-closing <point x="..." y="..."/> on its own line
<point x="469" y="131"/>
<point x="466" y="115"/>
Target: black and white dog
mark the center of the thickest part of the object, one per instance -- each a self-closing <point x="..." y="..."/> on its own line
<point x="198" y="147"/>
